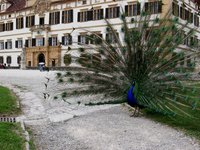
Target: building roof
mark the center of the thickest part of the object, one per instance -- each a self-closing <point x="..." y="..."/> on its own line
<point x="196" y="1"/>
<point x="16" y="5"/>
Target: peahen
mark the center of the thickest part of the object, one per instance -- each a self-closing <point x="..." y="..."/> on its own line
<point x="145" y="69"/>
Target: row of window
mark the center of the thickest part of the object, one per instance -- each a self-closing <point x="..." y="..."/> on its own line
<point x="53" y="41"/>
<point x="185" y="14"/>
<point x="9" y="60"/>
<point x="88" y="15"/>
<point x="82" y="39"/>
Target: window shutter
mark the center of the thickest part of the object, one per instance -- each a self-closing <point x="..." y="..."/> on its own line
<point x="70" y="40"/>
<point x="4" y="27"/>
<point x="56" y="41"/>
<point x="78" y="16"/>
<point x="71" y="16"/>
<point x="32" y="20"/>
<point x="89" y="15"/>
<point x="63" y="40"/>
<point x="86" y="39"/>
<point x="50" y="41"/>
<point x="6" y="45"/>
<point x="16" y="44"/>
<point x="107" y="37"/>
<point x="17" y="24"/>
<point x="12" y="26"/>
<point x="79" y="39"/>
<point x="26" y="21"/>
<point x="146" y="7"/>
<point x="126" y="10"/>
<point x="33" y="42"/>
<point x="58" y="17"/>
<point x="191" y="17"/>
<point x="50" y="18"/>
<point x="101" y="14"/>
<point x="118" y="11"/>
<point x="160" y="7"/>
<point x="138" y="8"/>
<point x="26" y="43"/>
<point x="107" y="12"/>
<point x="22" y="22"/>
<point x="99" y="41"/>
<point x="63" y="16"/>
<point x="43" y="41"/>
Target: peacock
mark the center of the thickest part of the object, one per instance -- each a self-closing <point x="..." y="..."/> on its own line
<point x="144" y="67"/>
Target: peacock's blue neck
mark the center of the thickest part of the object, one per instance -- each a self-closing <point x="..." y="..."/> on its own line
<point x="131" y="97"/>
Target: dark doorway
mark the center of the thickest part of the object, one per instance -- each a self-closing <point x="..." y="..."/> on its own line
<point x="53" y="63"/>
<point x="41" y="58"/>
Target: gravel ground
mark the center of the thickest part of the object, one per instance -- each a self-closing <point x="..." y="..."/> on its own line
<point x="60" y="126"/>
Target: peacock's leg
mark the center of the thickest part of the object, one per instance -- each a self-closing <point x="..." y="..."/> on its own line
<point x="138" y="111"/>
<point x="134" y="112"/>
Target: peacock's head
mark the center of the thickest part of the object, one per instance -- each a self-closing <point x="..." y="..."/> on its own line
<point x="133" y="83"/>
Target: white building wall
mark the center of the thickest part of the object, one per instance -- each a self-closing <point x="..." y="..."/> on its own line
<point x="61" y="29"/>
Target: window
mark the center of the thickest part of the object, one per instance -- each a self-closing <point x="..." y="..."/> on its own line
<point x="33" y="42"/>
<point x="1" y="45"/>
<point x="111" y="38"/>
<point x="1" y="60"/>
<point x="112" y="12"/>
<point x="82" y="39"/>
<point x="19" y="43"/>
<point x="196" y="20"/>
<point x="133" y="9"/>
<point x="8" y="44"/>
<point x="189" y="62"/>
<point x="67" y="16"/>
<point x="175" y="9"/>
<point x="97" y="14"/>
<point x="28" y="43"/>
<point x="153" y="7"/>
<point x="40" y="42"/>
<point x="41" y="20"/>
<point x="84" y="2"/>
<point x="19" y="23"/>
<point x="30" y="21"/>
<point x="54" y="18"/>
<point x="2" y="27"/>
<point x="18" y="60"/>
<point x="83" y="16"/>
<point x="9" y="26"/>
<point x="9" y="60"/>
<point x="67" y="40"/>
<point x="53" y="41"/>
<point x="96" y="39"/>
<point x="94" y="14"/>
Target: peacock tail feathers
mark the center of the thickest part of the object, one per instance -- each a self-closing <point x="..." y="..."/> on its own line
<point x="148" y="54"/>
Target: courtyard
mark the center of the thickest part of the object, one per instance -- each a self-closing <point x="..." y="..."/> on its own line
<point x="60" y="125"/>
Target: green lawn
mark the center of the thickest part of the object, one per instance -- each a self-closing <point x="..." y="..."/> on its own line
<point x="189" y="125"/>
<point x="10" y="133"/>
<point x="10" y="137"/>
<point x="8" y="104"/>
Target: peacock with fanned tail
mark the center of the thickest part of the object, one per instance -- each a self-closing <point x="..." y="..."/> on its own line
<point x="144" y="69"/>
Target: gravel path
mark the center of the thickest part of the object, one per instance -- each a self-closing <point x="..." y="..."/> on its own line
<point x="60" y="126"/>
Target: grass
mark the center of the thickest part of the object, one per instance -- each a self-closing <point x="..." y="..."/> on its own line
<point x="189" y="125"/>
<point x="11" y="137"/>
<point x="8" y="105"/>
<point x="31" y="142"/>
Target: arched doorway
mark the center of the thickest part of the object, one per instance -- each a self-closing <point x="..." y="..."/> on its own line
<point x="41" y="58"/>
